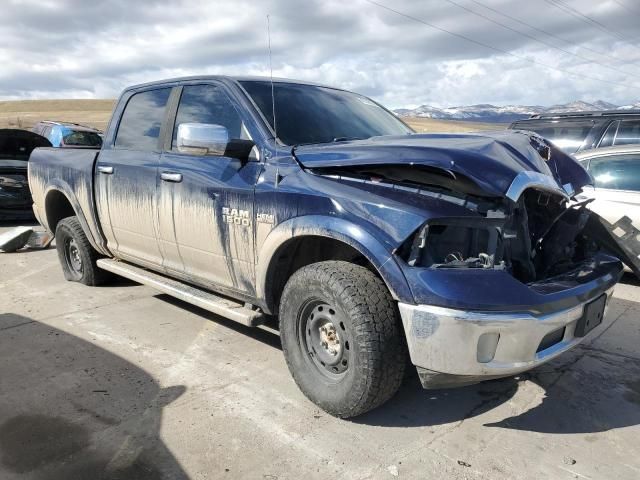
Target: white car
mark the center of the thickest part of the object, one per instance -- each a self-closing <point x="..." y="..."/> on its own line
<point x="616" y="175"/>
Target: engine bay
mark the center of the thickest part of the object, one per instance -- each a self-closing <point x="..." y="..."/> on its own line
<point x="541" y="236"/>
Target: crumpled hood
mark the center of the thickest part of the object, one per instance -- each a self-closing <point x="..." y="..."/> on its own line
<point x="492" y="160"/>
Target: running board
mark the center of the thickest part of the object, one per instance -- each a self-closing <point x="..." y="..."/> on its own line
<point x="219" y="305"/>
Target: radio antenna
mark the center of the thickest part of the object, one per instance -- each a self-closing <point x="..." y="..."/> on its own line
<point x="273" y="103"/>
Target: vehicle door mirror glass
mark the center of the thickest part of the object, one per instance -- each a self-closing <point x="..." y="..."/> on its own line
<point x="202" y="139"/>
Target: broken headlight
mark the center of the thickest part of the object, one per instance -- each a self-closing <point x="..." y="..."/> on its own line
<point x="458" y="243"/>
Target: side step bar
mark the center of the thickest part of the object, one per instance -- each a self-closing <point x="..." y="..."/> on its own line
<point x="219" y="305"/>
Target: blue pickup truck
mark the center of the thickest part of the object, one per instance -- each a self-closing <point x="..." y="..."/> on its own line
<point x="375" y="248"/>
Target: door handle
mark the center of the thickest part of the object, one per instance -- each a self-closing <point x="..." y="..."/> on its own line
<point x="104" y="169"/>
<point x="171" y="177"/>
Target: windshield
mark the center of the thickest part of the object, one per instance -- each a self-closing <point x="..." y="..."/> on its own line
<point x="312" y="114"/>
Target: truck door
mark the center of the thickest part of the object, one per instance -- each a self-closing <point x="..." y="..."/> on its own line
<point x="126" y="179"/>
<point x="208" y="199"/>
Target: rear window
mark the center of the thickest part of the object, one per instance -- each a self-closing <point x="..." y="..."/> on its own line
<point x="80" y="138"/>
<point x="567" y="135"/>
<point x="140" y="124"/>
<point x="617" y="172"/>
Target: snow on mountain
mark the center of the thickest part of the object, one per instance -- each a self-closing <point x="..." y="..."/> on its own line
<point x="507" y="113"/>
<point x="635" y="106"/>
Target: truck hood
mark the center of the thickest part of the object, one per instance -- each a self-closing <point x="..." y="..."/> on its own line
<point x="494" y="164"/>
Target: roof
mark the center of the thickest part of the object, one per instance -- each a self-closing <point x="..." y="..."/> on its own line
<point x="233" y="78"/>
<point x="601" y="152"/>
<point x="77" y="126"/>
<point x="595" y="113"/>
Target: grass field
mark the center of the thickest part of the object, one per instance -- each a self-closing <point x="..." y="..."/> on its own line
<point x="24" y="113"/>
<point x="430" y="125"/>
<point x="96" y="113"/>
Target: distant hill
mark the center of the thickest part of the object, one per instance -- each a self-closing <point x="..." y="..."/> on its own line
<point x="505" y="114"/>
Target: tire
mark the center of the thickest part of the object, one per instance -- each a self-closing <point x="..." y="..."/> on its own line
<point x="77" y="256"/>
<point x="362" y="361"/>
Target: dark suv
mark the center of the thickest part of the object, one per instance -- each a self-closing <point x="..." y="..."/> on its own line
<point x="578" y="131"/>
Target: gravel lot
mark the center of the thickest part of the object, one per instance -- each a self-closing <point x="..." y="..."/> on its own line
<point x="120" y="382"/>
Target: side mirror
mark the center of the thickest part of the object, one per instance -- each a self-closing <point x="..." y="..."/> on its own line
<point x="202" y="139"/>
<point x="211" y="139"/>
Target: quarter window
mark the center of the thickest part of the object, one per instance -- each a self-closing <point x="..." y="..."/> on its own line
<point x="616" y="172"/>
<point x="142" y="119"/>
<point x="208" y="104"/>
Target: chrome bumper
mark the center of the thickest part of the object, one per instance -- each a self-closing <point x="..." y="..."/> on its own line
<point x="464" y="347"/>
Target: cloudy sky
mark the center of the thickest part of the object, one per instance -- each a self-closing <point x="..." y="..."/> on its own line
<point x="545" y="51"/>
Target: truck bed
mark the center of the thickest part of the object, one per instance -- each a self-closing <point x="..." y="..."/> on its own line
<point x="71" y="171"/>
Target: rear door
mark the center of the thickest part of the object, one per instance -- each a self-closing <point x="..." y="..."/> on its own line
<point x="207" y="202"/>
<point x="126" y="179"/>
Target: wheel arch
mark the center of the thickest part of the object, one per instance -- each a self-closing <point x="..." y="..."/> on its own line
<point x="303" y="240"/>
<point x="59" y="203"/>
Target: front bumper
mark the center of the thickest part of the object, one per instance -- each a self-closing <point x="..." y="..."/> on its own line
<point x="454" y="347"/>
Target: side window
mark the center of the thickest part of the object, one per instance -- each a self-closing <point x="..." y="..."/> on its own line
<point x="208" y="104"/>
<point x="628" y="132"/>
<point x="617" y="172"/>
<point x="609" y="135"/>
<point x="140" y="124"/>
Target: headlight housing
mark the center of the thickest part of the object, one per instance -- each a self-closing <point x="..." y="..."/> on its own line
<point x="458" y="243"/>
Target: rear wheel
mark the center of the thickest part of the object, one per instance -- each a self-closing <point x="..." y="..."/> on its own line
<point x="77" y="256"/>
<point x="341" y="337"/>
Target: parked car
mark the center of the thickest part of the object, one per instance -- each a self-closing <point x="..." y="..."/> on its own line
<point x="579" y="131"/>
<point x="64" y="134"/>
<point x="372" y="245"/>
<point x="616" y="175"/>
<point x="15" y="148"/>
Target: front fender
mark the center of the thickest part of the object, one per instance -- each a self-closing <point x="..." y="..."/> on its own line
<point x="338" y="229"/>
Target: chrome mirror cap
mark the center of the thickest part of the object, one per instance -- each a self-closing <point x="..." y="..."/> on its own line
<point x="202" y="139"/>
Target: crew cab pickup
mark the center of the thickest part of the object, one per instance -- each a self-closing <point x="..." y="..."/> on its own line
<point x="467" y="256"/>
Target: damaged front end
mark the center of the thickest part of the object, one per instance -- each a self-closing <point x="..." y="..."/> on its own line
<point x="507" y="268"/>
<point x="519" y="214"/>
<point x="541" y="236"/>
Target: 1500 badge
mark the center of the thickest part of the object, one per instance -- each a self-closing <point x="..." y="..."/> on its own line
<point x="235" y="216"/>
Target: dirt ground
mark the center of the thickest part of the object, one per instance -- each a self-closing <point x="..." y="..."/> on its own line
<point x="120" y="382"/>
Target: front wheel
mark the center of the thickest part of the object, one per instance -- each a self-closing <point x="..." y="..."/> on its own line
<point x="341" y="337"/>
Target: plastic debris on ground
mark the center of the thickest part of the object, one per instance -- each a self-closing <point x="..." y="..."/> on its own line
<point x="24" y="237"/>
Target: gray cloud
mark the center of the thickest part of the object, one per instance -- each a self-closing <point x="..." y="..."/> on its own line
<point x="67" y="48"/>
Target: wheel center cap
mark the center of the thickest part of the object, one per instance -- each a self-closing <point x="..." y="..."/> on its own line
<point x="329" y="339"/>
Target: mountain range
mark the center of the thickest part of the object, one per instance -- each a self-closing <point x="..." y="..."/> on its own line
<point x="507" y="113"/>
